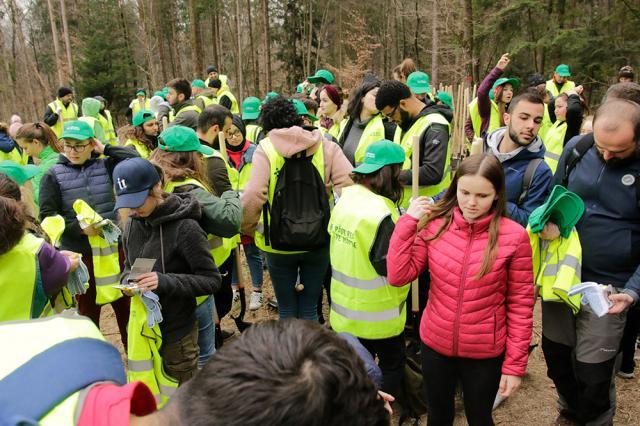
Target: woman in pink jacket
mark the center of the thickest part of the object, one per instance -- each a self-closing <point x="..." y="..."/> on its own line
<point x="477" y="323"/>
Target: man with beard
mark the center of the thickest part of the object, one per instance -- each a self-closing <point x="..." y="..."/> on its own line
<point x="185" y="112"/>
<point x="521" y="153"/>
<point x="603" y="168"/>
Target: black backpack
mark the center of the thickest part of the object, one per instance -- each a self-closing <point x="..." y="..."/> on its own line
<point x="300" y="208"/>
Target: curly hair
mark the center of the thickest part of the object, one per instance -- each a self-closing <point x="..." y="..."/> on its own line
<point x="279" y="113"/>
<point x="390" y="94"/>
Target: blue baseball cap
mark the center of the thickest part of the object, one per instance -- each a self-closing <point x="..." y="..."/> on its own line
<point x="133" y="178"/>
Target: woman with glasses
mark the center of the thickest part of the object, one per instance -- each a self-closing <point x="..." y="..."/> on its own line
<point x="143" y="136"/>
<point x="84" y="172"/>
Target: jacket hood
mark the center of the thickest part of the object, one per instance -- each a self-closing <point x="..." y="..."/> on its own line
<point x="433" y="108"/>
<point x="175" y="207"/>
<point x="6" y="143"/>
<point x="534" y="150"/>
<point x="288" y="142"/>
<point x="90" y="107"/>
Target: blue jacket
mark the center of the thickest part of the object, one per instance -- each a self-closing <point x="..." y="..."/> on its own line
<point x="514" y="166"/>
<point x="6" y="143"/>
<point x="610" y="227"/>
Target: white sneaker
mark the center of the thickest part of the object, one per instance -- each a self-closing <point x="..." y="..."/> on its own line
<point x="256" y="300"/>
<point x="235" y="304"/>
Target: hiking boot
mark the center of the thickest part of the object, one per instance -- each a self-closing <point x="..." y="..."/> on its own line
<point x="236" y="305"/>
<point x="626" y="375"/>
<point x="256" y="300"/>
<point x="225" y="334"/>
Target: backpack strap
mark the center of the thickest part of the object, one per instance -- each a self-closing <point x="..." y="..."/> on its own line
<point x="39" y="385"/>
<point x="575" y="155"/>
<point x="527" y="180"/>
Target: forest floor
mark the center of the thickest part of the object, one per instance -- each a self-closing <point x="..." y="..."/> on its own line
<point x="533" y="404"/>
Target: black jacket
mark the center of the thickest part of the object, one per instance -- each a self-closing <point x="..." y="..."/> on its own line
<point x="189" y="271"/>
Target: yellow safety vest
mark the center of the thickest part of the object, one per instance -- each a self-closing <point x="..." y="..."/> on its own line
<point x="207" y="101"/>
<point x="418" y="128"/>
<point x="223" y="79"/>
<point x="21" y="341"/>
<point x="276" y="161"/>
<point x="23" y="297"/>
<point x="476" y="120"/>
<point x="107" y="128"/>
<point x="363" y="303"/>
<point x="96" y="126"/>
<point x="15" y="156"/>
<point x="105" y="257"/>
<point x="140" y="148"/>
<point x="554" y="143"/>
<point x="546" y="124"/>
<point x="224" y="91"/>
<point x="137" y="106"/>
<point x="253" y="131"/>
<point x="553" y="89"/>
<point x="68" y="113"/>
<point x="143" y="352"/>
<point x="54" y="226"/>
<point x="557" y="266"/>
<point x="373" y="132"/>
<point x="239" y="178"/>
<point x="173" y="115"/>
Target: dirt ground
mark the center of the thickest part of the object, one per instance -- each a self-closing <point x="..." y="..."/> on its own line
<point x="533" y="404"/>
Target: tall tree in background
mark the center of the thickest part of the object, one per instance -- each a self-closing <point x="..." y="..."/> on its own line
<point x="67" y="40"/>
<point x="56" y="44"/>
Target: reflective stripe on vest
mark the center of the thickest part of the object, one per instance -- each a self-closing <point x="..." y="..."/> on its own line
<point x="22" y="297"/>
<point x="359" y="295"/>
<point x="68" y="113"/>
<point x="143" y="350"/>
<point x="554" y="144"/>
<point x="476" y="120"/>
<point x="276" y="161"/>
<point x="553" y="89"/>
<point x="173" y="115"/>
<point x="418" y="128"/>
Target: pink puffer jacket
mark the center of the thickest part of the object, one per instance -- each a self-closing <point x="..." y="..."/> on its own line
<point x="466" y="317"/>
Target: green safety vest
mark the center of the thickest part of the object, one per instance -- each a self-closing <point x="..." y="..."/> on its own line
<point x="418" y="128"/>
<point x="476" y="120"/>
<point x="30" y="338"/>
<point x="68" y="113"/>
<point x="553" y="89"/>
<point x="276" y="161"/>
<point x="253" y="131"/>
<point x="554" y="144"/>
<point x="557" y="266"/>
<point x="363" y="303"/>
<point x="106" y="123"/>
<point x="137" y="106"/>
<point x="139" y="147"/>
<point x="105" y="258"/>
<point x="173" y="115"/>
<point x="23" y="297"/>
<point x="373" y="132"/>
<point x="143" y="352"/>
<point x="224" y="91"/>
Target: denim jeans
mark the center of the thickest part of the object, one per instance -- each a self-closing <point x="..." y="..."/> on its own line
<point x="206" y="331"/>
<point x="284" y="270"/>
<point x="254" y="260"/>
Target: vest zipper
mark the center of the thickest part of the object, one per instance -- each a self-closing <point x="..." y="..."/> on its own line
<point x="465" y="267"/>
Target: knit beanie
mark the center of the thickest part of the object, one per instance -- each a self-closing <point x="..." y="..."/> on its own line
<point x="211" y="69"/>
<point x="333" y="94"/>
<point x="63" y="91"/>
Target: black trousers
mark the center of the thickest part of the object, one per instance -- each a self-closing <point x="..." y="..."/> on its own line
<point x="628" y="342"/>
<point x="391" y="360"/>
<point x="480" y="380"/>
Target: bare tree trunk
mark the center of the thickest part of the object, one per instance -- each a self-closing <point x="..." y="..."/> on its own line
<point x="238" y="55"/>
<point x="254" y="62"/>
<point x="468" y="43"/>
<point x="267" y="43"/>
<point x="127" y="38"/>
<point x="56" y="44"/>
<point x="435" y="45"/>
<point x="67" y="40"/>
<point x="214" y="38"/>
<point x="417" y="35"/>
<point x="155" y="12"/>
<point x="152" y="76"/>
<point x="307" y="69"/>
<point x="196" y="47"/>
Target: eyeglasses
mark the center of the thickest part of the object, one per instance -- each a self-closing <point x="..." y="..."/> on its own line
<point x="391" y="114"/>
<point x="234" y="134"/>
<point x="76" y="148"/>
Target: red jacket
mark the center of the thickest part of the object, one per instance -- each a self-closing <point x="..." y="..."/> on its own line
<point x="466" y="317"/>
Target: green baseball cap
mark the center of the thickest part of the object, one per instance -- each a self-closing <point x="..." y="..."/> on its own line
<point x="159" y="93"/>
<point x="302" y="110"/>
<point x="251" y="108"/>
<point x="198" y="83"/>
<point x="77" y="130"/>
<point x="142" y="116"/>
<point x="418" y="82"/>
<point x="502" y="81"/>
<point x="563" y="207"/>
<point x="182" y="139"/>
<point x="17" y="172"/>
<point x="380" y="154"/>
<point x="269" y="95"/>
<point x="445" y="98"/>
<point x="141" y="93"/>
<point x="321" y="76"/>
<point x="563" y="70"/>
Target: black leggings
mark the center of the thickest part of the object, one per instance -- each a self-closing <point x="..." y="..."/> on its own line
<point x="480" y="380"/>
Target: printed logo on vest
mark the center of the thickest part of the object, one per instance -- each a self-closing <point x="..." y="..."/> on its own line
<point x="628" y="180"/>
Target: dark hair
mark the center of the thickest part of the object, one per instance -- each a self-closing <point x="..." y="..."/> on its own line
<point x="390" y="94"/>
<point x="212" y="115"/>
<point x="531" y="96"/>
<point x="279" y="113"/>
<point x="13" y="215"/>
<point x="623" y="110"/>
<point x="214" y="83"/>
<point x="626" y="91"/>
<point x="536" y="79"/>
<point x="385" y="182"/>
<point x="40" y="132"/>
<point x="406" y="67"/>
<point x="355" y="103"/>
<point x="310" y="104"/>
<point x="627" y="71"/>
<point x="489" y="167"/>
<point x="288" y="373"/>
<point x="180" y="85"/>
<point x="137" y="133"/>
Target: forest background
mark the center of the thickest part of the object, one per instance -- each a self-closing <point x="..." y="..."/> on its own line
<point x="110" y="47"/>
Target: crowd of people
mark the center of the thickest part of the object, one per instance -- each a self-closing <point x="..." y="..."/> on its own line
<point x="423" y="263"/>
